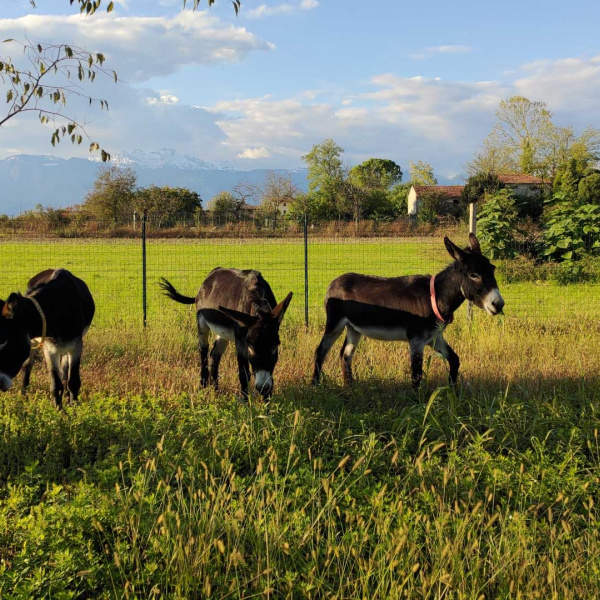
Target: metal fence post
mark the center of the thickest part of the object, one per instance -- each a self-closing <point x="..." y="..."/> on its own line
<point x="144" y="271"/>
<point x="473" y="230"/>
<point x="306" y="271"/>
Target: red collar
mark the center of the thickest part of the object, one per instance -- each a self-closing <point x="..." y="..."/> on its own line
<point x="434" y="305"/>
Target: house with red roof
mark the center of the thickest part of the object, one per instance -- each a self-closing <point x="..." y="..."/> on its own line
<point x="521" y="185"/>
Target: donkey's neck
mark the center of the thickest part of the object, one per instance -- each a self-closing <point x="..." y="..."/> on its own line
<point x="448" y="293"/>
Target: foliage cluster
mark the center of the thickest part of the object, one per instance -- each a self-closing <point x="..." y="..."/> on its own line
<point x="370" y="190"/>
<point x="115" y="197"/>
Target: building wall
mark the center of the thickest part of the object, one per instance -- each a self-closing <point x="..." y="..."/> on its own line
<point x="412" y="201"/>
<point x="525" y="189"/>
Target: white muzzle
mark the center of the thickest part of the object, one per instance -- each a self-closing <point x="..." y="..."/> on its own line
<point x="493" y="302"/>
<point x="5" y="382"/>
<point x="263" y="381"/>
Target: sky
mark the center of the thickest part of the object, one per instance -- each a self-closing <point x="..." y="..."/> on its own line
<point x="389" y="79"/>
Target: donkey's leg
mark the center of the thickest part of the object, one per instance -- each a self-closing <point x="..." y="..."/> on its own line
<point x="439" y="344"/>
<point x="203" y="332"/>
<point x="347" y="352"/>
<point x="28" y="366"/>
<point x="216" y="353"/>
<point x="73" y="363"/>
<point x="416" y="347"/>
<point x="52" y="356"/>
<point x="333" y="329"/>
<point x="241" y="350"/>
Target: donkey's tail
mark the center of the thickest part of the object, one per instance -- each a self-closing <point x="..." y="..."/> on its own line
<point x="172" y="293"/>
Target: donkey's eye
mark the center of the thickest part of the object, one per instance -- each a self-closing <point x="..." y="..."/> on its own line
<point x="475" y="276"/>
<point x="274" y="351"/>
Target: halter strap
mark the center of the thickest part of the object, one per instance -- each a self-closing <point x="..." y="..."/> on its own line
<point x="43" y="317"/>
<point x="434" y="305"/>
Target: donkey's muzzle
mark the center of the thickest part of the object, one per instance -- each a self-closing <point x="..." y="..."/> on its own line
<point x="263" y="382"/>
<point x="5" y="382"/>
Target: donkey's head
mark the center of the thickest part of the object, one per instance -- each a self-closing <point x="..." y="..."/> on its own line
<point x="15" y="344"/>
<point x="477" y="281"/>
<point x="261" y="334"/>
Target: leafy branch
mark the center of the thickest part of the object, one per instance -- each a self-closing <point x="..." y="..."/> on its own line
<point x="55" y="72"/>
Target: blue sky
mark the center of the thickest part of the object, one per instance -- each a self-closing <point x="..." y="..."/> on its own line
<point x="404" y="80"/>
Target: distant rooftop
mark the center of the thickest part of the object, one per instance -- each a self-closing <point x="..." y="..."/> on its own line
<point x="452" y="191"/>
<point x="516" y="178"/>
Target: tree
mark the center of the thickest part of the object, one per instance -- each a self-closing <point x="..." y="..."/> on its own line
<point x="376" y="174"/>
<point x="525" y="140"/>
<point x="398" y="199"/>
<point x="478" y="185"/>
<point x="326" y="176"/>
<point x="112" y="197"/>
<point x="367" y="186"/>
<point x="225" y="207"/>
<point x="491" y="159"/>
<point x="246" y="193"/>
<point x="277" y="189"/>
<point x="421" y="173"/>
<point x="522" y="126"/>
<point x="588" y="190"/>
<point x="167" y="203"/>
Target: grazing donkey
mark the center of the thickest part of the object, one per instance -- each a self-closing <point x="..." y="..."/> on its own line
<point x="415" y="309"/>
<point x="56" y="311"/>
<point x="238" y="306"/>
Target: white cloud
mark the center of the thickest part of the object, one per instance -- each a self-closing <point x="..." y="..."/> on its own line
<point x="436" y="50"/>
<point x="163" y="98"/>
<point x="457" y="49"/>
<point x="140" y="48"/>
<point x="255" y="153"/>
<point x="568" y="85"/>
<point x="265" y="10"/>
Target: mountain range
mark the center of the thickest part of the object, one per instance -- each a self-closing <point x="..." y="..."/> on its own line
<point x="29" y="180"/>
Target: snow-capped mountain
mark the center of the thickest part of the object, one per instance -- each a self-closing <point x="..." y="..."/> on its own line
<point x="158" y="159"/>
<point x="28" y="180"/>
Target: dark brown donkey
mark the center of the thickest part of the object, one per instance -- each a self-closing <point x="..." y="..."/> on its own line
<point x="56" y="311"/>
<point x="413" y="309"/>
<point x="238" y="306"/>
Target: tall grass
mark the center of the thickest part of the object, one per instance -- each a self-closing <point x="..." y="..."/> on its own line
<point x="153" y="488"/>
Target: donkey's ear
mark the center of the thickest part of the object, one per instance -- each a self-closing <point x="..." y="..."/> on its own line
<point x="279" y="311"/>
<point x="10" y="306"/>
<point x="455" y="252"/>
<point x="474" y="243"/>
<point x="240" y="318"/>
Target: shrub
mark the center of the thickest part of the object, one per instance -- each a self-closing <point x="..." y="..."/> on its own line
<point x="496" y="222"/>
<point x="572" y="230"/>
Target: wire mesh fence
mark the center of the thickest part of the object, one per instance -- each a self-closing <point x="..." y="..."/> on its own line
<point x="297" y="259"/>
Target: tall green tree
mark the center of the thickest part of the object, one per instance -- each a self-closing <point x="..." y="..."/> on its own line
<point x="421" y="173"/>
<point x="326" y="176"/>
<point x="525" y="140"/>
<point x="225" y="207"/>
<point x="376" y="174"/>
<point x="112" y="197"/>
<point x="167" y="203"/>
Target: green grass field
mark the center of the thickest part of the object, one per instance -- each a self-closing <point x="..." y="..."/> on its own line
<point x="151" y="487"/>
<point x="113" y="270"/>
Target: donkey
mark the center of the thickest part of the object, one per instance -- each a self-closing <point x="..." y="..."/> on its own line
<point x="238" y="306"/>
<point x="56" y="311"/>
<point x="414" y="309"/>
